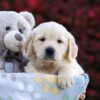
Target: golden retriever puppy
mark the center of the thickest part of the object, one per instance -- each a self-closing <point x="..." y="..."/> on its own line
<point x="52" y="49"/>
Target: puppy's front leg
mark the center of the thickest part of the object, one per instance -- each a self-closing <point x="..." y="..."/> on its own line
<point x="65" y="77"/>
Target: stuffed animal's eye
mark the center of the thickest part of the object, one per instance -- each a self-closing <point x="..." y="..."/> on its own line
<point x="42" y="39"/>
<point x="8" y="28"/>
<point x="20" y="30"/>
<point x="59" y="41"/>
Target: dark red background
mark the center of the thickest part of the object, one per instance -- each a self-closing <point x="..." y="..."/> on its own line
<point x="82" y="18"/>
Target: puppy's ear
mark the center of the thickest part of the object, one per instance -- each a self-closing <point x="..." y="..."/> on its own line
<point x="28" y="48"/>
<point x="72" y="49"/>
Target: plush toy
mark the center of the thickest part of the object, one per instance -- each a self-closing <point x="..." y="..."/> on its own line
<point x="14" y="28"/>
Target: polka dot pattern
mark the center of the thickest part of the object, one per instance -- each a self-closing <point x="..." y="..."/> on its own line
<point x="9" y="98"/>
<point x="46" y="88"/>
<point x="30" y="88"/>
<point x="38" y="87"/>
<point x="20" y="85"/>
<point x="37" y="96"/>
<point x="51" y="79"/>
<point x="55" y="90"/>
<point x="38" y="80"/>
<point x="13" y="77"/>
<point x="3" y="75"/>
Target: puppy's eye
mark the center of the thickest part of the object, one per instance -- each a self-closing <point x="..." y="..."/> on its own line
<point x="59" y="41"/>
<point x="42" y="39"/>
<point x="8" y="28"/>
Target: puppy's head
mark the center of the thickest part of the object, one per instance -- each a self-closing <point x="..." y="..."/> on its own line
<point x="51" y="42"/>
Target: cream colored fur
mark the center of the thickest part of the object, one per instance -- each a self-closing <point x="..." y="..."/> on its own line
<point x="64" y="64"/>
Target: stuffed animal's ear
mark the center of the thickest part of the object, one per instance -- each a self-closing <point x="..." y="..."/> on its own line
<point x="29" y="17"/>
<point x="28" y="46"/>
<point x="72" y="49"/>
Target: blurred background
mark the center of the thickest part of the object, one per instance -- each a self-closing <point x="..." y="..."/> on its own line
<point x="82" y="19"/>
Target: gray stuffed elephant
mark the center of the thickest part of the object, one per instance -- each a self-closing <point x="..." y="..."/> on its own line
<point x="14" y="29"/>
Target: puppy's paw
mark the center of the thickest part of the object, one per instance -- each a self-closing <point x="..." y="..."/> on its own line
<point x="64" y="82"/>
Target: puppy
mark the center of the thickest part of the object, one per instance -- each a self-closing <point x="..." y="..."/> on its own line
<point x="52" y="49"/>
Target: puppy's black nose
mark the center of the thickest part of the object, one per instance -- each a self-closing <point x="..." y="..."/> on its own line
<point x="50" y="52"/>
<point x="18" y="37"/>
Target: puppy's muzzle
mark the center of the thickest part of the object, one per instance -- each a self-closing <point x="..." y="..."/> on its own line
<point x="49" y="53"/>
